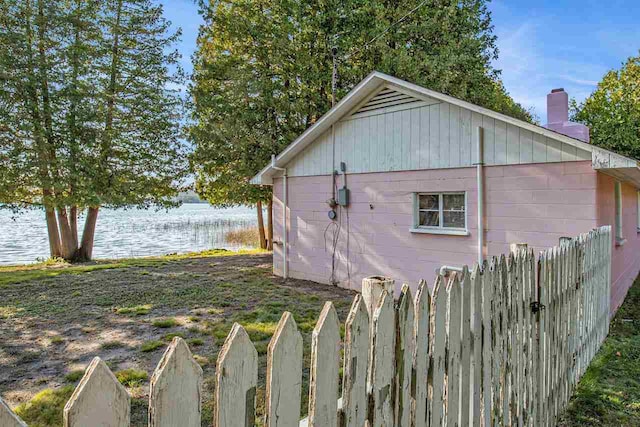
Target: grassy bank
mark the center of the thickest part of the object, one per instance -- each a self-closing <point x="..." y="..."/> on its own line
<point x="608" y="394"/>
<point x="54" y="318"/>
<point x="55" y="267"/>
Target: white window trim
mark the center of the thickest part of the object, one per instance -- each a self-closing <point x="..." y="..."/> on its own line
<point x="620" y="240"/>
<point x="451" y="231"/>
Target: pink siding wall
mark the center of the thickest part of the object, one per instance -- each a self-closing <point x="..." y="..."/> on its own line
<point x="625" y="264"/>
<point x="533" y="203"/>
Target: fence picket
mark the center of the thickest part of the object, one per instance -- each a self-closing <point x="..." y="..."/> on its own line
<point x="176" y="387"/>
<point x="237" y="376"/>
<point x="475" y="282"/>
<point x="571" y="309"/>
<point x="564" y="316"/>
<point x="488" y="339"/>
<point x="437" y="342"/>
<point x="466" y="379"/>
<point x="530" y="354"/>
<point x="499" y="350"/>
<point x="404" y="357"/>
<point x="519" y="382"/>
<point x="454" y="317"/>
<point x="356" y="361"/>
<point x="551" y="330"/>
<point x="325" y="366"/>
<point x="584" y="335"/>
<point x="584" y="265"/>
<point x="372" y="289"/>
<point x="543" y="273"/>
<point x="284" y="375"/>
<point x="557" y="319"/>
<point x="8" y="418"/>
<point x="99" y="399"/>
<point x="422" y="306"/>
<point x="382" y="362"/>
<point x="507" y="330"/>
<point x="513" y="281"/>
<point x="556" y="265"/>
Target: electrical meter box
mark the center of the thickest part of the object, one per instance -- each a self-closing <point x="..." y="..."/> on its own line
<point x="343" y="196"/>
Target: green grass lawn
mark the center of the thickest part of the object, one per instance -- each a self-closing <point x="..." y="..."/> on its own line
<point x="11" y="275"/>
<point x="55" y="317"/>
<point x="609" y="392"/>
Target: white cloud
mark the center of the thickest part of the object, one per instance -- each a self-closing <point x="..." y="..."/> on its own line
<point x="581" y="82"/>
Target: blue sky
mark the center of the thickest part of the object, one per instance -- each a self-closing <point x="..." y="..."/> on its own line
<point x="543" y="44"/>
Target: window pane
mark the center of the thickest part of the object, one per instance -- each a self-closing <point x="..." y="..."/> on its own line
<point x="430" y="219"/>
<point x="453" y="219"/>
<point x="453" y="202"/>
<point x="429" y="201"/>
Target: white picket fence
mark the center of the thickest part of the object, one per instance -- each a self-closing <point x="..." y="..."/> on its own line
<point x="502" y="344"/>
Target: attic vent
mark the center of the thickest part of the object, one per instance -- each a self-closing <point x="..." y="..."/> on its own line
<point x="387" y="98"/>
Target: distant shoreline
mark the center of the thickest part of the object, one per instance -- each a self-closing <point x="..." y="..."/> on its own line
<point x="123" y="233"/>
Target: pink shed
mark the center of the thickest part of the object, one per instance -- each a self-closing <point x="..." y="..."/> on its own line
<point x="399" y="142"/>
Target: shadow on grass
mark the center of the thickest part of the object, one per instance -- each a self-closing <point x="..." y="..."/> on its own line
<point x="128" y="314"/>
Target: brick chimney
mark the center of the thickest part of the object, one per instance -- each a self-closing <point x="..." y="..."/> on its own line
<point x="558" y="116"/>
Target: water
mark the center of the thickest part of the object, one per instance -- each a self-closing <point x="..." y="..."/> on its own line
<point x="129" y="233"/>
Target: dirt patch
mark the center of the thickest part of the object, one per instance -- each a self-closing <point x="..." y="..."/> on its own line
<point x="52" y="327"/>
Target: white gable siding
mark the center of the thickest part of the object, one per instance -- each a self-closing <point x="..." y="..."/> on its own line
<point x="392" y="132"/>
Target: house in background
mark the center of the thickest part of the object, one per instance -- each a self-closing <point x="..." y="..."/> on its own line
<point x="399" y="180"/>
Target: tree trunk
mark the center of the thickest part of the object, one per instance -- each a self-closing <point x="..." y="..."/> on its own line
<point x="73" y="223"/>
<point x="66" y="235"/>
<point x="270" y="225"/>
<point x="263" y="242"/>
<point x="52" y="229"/>
<point x="86" y="246"/>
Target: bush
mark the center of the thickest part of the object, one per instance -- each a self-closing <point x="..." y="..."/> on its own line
<point x="248" y="237"/>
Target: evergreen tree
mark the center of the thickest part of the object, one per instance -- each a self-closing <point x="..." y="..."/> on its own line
<point x="89" y="113"/>
<point x="263" y="70"/>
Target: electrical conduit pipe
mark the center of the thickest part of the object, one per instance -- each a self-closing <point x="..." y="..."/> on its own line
<point x="480" y="183"/>
<point x="285" y="264"/>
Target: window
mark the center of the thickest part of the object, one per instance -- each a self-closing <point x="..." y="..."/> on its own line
<point x="618" y="211"/>
<point x="440" y="213"/>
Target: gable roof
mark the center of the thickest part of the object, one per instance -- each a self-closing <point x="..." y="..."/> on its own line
<point x="363" y="93"/>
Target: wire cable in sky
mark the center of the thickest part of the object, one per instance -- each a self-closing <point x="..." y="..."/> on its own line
<point x="386" y="30"/>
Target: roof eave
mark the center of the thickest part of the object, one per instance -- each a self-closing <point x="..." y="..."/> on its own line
<point x="616" y="165"/>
